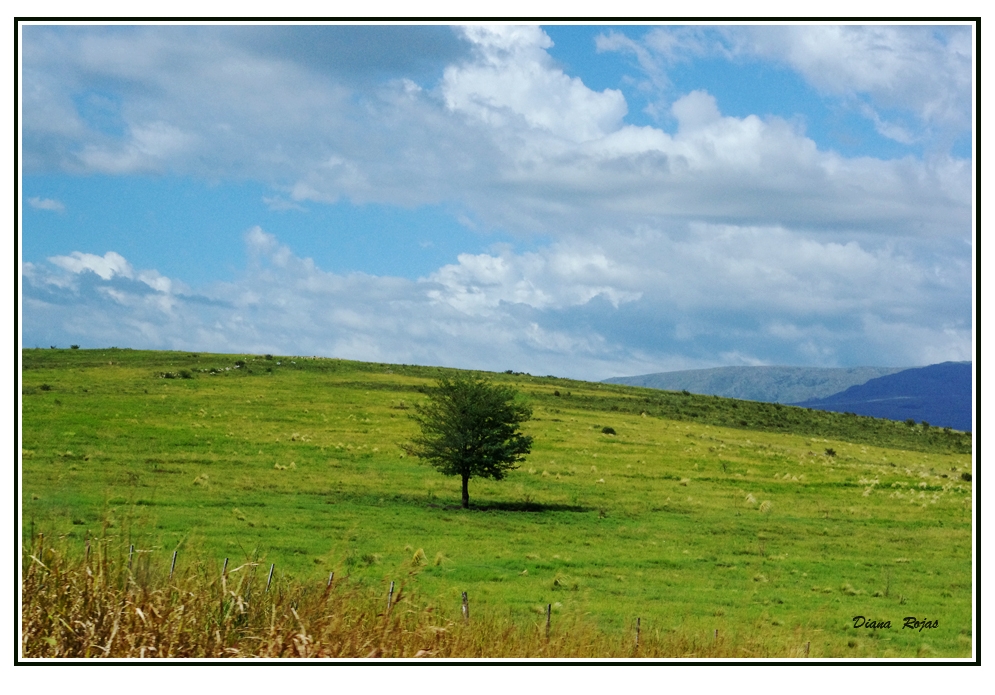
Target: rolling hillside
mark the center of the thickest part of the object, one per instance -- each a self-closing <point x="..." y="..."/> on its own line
<point x="772" y="524"/>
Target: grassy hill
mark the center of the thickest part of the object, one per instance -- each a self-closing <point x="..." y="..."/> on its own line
<point x="774" y="525"/>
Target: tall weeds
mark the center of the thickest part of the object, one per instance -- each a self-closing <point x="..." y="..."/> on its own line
<point x="94" y="605"/>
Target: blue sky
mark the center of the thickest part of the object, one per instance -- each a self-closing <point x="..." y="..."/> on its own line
<point x="585" y="201"/>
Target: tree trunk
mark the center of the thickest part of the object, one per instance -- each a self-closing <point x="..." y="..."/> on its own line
<point x="466" y="491"/>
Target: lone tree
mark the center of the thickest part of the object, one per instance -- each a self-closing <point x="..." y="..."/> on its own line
<point x="469" y="428"/>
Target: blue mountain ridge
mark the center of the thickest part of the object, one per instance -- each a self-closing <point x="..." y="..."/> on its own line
<point x="763" y="383"/>
<point x="939" y="394"/>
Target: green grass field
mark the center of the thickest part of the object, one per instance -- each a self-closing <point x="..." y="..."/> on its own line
<point x="768" y="523"/>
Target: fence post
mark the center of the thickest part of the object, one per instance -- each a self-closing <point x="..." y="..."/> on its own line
<point x="390" y="596"/>
<point x="549" y="609"/>
<point x="131" y="551"/>
<point x="466" y="609"/>
<point x="224" y="568"/>
<point x="172" y="566"/>
<point x="807" y="645"/>
<point x="638" y="621"/>
<point x="270" y="578"/>
<point x="330" y="577"/>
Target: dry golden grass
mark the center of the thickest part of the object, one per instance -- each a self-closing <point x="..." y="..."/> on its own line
<point x="97" y="606"/>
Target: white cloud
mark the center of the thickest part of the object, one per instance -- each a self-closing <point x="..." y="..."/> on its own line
<point x="696" y="110"/>
<point x="46" y="204"/>
<point x="920" y="344"/>
<point x="713" y="294"/>
<point x="158" y="282"/>
<point x="505" y="134"/>
<point x="259" y="242"/>
<point x="512" y="77"/>
<point x="892" y="131"/>
<point x="284" y="303"/>
<point x="148" y="149"/>
<point x="924" y="69"/>
<point x="729" y="239"/>
<point x="562" y="276"/>
<point x="653" y="54"/>
<point x="920" y="74"/>
<point x="106" y="266"/>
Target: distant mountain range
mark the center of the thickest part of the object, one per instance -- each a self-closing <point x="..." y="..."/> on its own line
<point x="767" y="384"/>
<point x="939" y="394"/>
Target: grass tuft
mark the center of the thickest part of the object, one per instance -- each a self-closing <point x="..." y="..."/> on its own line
<point x="96" y="607"/>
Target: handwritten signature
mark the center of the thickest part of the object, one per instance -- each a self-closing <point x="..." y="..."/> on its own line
<point x="908" y="623"/>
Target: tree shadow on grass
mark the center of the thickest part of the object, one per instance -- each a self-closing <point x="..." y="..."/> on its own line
<point x="520" y="506"/>
<point x="446" y="503"/>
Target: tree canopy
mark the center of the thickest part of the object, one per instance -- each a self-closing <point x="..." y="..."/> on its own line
<point x="470" y="428"/>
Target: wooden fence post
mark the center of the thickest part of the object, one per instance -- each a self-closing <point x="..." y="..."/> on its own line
<point x="224" y="568"/>
<point x="638" y="621"/>
<point x="330" y="577"/>
<point x="466" y="609"/>
<point x="807" y="645"/>
<point x="270" y="578"/>
<point x="131" y="551"/>
<point x="172" y="566"/>
<point x="390" y="596"/>
<point x="549" y="609"/>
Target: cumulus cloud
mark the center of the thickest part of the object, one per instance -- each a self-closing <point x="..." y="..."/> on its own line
<point x="714" y="168"/>
<point x="573" y="310"/>
<point x="513" y="77"/>
<point x="504" y="133"/>
<point x="562" y="276"/>
<point x="106" y="266"/>
<point x="729" y="239"/>
<point x="922" y="71"/>
<point x="284" y="304"/>
<point x="655" y="53"/>
<point x="147" y="149"/>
